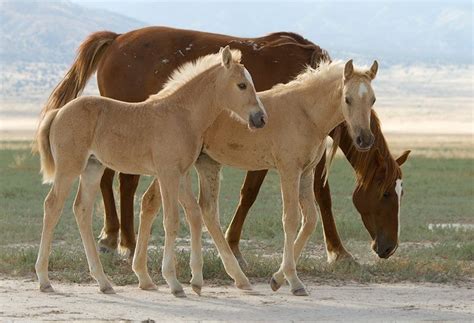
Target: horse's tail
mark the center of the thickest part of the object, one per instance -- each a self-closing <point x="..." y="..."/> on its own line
<point x="85" y="64"/>
<point x="44" y="146"/>
<point x="336" y="138"/>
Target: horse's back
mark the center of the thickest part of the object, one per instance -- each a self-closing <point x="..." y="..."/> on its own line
<point x="139" y="62"/>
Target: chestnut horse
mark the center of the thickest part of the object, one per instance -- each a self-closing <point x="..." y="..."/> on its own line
<point x="166" y="131"/>
<point x="136" y="64"/>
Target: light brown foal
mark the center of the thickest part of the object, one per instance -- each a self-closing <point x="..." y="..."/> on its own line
<point x="161" y="136"/>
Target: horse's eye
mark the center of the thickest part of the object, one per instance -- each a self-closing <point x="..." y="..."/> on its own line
<point x="348" y="100"/>
<point x="242" y="86"/>
<point x="386" y="194"/>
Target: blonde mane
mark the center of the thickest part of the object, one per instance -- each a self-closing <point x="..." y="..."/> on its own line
<point x="325" y="71"/>
<point x="188" y="71"/>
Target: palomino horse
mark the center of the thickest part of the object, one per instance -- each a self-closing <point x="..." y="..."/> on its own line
<point x="301" y="115"/>
<point x="134" y="65"/>
<point x="165" y="132"/>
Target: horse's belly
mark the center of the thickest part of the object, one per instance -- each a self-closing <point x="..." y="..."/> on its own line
<point x="239" y="157"/>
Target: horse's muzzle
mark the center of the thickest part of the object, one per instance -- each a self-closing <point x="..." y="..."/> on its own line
<point x="364" y="140"/>
<point x="384" y="249"/>
<point x="257" y="120"/>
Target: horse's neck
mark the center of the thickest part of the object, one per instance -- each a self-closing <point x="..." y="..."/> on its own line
<point x="323" y="107"/>
<point x="198" y="100"/>
<point x="347" y="146"/>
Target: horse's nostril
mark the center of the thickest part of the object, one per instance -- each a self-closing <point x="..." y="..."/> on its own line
<point x="359" y="140"/>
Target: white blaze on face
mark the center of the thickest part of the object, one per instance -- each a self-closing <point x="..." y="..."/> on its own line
<point x="248" y="76"/>
<point x="362" y="89"/>
<point x="398" y="190"/>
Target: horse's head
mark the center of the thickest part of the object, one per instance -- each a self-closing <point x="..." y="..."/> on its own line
<point x="236" y="84"/>
<point x="379" y="203"/>
<point x="357" y="101"/>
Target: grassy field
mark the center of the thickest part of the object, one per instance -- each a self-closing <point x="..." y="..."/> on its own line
<point x="438" y="183"/>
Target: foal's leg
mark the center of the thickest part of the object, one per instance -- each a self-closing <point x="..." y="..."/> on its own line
<point x="169" y="186"/>
<point x="151" y="203"/>
<point x="128" y="187"/>
<point x="83" y="209"/>
<point x="334" y="248"/>
<point x="309" y="211"/>
<point x="290" y="182"/>
<point x="209" y="171"/>
<point x="193" y="216"/>
<point x="53" y="206"/>
<point x="248" y="194"/>
<point x="108" y="239"/>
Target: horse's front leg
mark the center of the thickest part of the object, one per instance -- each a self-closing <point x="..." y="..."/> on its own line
<point x="334" y="248"/>
<point x="151" y="203"/>
<point x="169" y="187"/>
<point x="248" y="194"/>
<point x="290" y="182"/>
<point x="194" y="218"/>
<point x="209" y="171"/>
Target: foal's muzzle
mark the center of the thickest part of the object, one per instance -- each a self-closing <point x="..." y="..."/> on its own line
<point x="257" y="120"/>
<point x="364" y="140"/>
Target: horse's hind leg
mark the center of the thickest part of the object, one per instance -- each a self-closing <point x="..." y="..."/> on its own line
<point x="108" y="239"/>
<point x="193" y="216"/>
<point x="151" y="203"/>
<point x="128" y="187"/>
<point x="209" y="171"/>
<point x="83" y="207"/>
<point x="53" y="206"/>
<point x="169" y="187"/>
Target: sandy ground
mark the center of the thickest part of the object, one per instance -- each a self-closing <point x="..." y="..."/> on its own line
<point x="21" y="300"/>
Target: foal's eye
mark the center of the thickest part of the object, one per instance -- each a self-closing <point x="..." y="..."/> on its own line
<point x="242" y="86"/>
<point x="348" y="100"/>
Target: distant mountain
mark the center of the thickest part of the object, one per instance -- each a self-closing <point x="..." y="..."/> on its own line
<point x="50" y="31"/>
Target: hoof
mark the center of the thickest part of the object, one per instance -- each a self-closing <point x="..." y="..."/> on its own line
<point x="149" y="286"/>
<point x="245" y="286"/>
<point x="274" y="284"/>
<point x="300" y="292"/>
<point x="196" y="289"/>
<point x="108" y="290"/>
<point x="179" y="293"/>
<point x="47" y="288"/>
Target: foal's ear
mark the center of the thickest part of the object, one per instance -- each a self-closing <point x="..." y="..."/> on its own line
<point x="226" y="56"/>
<point x="348" y="70"/>
<point x="372" y="72"/>
<point x="403" y="157"/>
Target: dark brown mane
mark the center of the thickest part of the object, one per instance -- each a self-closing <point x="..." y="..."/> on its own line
<point x="366" y="163"/>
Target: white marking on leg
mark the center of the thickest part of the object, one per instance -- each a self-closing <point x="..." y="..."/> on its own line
<point x="362" y="89"/>
<point x="398" y="190"/>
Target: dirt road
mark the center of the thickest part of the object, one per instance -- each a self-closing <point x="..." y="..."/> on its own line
<point x="21" y="300"/>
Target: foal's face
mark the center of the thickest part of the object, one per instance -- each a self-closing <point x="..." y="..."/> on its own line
<point x="381" y="213"/>
<point x="240" y="96"/>
<point x="357" y="101"/>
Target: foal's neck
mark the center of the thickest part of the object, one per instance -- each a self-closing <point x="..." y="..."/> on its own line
<point x="322" y="103"/>
<point x="198" y="100"/>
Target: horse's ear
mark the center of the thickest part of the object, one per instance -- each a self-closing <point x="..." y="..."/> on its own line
<point x="403" y="157"/>
<point x="372" y="72"/>
<point x="348" y="70"/>
<point x="226" y="56"/>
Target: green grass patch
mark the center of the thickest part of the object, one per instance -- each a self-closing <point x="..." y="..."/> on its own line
<point x="436" y="191"/>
